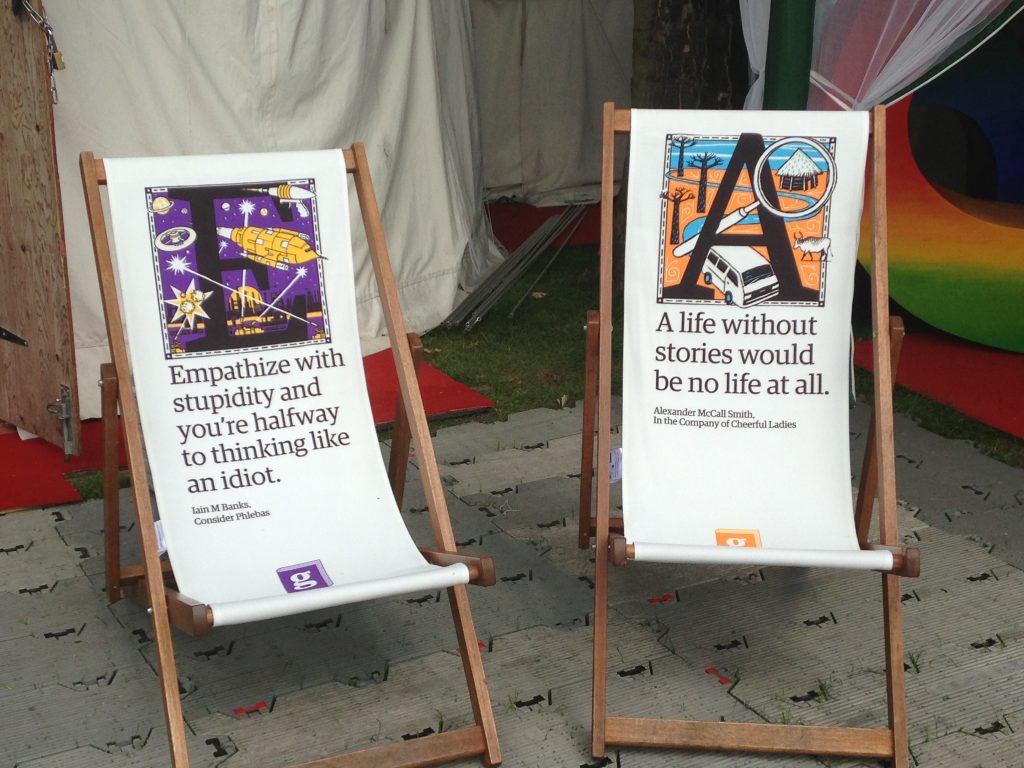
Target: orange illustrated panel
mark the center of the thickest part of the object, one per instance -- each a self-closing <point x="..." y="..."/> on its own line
<point x="745" y="219"/>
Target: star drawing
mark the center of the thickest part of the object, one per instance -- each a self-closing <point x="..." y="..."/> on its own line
<point x="189" y="303"/>
<point x="178" y="264"/>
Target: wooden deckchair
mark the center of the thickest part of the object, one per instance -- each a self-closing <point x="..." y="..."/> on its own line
<point x="371" y="504"/>
<point x="612" y="536"/>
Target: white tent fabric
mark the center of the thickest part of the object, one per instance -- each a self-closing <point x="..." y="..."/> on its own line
<point x="171" y="77"/>
<point x="867" y="51"/>
<point x="544" y="69"/>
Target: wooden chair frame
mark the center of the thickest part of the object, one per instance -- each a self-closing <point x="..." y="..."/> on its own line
<point x="877" y="480"/>
<point x="152" y="582"/>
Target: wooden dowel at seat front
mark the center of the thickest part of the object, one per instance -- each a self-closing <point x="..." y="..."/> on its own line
<point x="481" y="567"/>
<point x="906" y="561"/>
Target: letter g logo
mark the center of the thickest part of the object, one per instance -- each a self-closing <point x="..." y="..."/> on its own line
<point x="302" y="580"/>
<point x="732" y="537"/>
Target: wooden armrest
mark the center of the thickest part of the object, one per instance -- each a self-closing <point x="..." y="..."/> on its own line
<point x="188" y="615"/>
<point x="481" y="567"/>
<point x="192" y="617"/>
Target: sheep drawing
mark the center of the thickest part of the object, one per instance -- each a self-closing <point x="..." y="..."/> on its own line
<point x="811" y="245"/>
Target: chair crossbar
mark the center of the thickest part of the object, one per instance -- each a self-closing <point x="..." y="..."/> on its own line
<point x="750" y="737"/>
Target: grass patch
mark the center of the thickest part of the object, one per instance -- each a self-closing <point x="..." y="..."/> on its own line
<point x="89" y="482"/>
<point x="534" y="360"/>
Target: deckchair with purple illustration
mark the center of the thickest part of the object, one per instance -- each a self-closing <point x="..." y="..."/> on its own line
<point x="230" y="310"/>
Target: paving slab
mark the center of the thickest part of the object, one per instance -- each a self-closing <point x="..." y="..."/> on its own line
<point x="77" y="686"/>
<point x="418" y="698"/>
<point x="49" y="719"/>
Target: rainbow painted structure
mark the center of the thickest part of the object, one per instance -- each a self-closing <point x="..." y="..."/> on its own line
<point x="956" y="262"/>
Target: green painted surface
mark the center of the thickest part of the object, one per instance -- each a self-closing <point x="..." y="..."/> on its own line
<point x="983" y="305"/>
<point x="788" y="65"/>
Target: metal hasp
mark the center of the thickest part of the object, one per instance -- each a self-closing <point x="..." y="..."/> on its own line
<point x="12" y="337"/>
<point x="61" y="408"/>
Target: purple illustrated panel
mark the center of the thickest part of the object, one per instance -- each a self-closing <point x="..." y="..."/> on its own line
<point x="238" y="266"/>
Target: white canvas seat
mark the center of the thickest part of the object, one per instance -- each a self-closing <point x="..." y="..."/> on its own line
<point x="740" y="246"/>
<point x="236" y="362"/>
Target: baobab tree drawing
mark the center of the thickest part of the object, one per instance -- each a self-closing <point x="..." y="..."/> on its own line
<point x="704" y="161"/>
<point x="681" y="143"/>
<point x="677" y="197"/>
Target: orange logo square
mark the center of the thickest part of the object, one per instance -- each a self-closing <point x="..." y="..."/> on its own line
<point x="734" y="537"/>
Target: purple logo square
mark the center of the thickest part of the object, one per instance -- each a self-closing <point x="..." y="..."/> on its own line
<point x="304" y="576"/>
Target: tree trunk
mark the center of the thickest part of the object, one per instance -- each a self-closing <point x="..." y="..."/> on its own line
<point x="702" y="189"/>
<point x="687" y="54"/>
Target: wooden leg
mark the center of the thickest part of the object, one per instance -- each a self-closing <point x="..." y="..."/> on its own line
<point x="476" y="677"/>
<point x="91" y="171"/>
<point x="599" y="713"/>
<point x="895" y="674"/>
<point x="401" y="434"/>
<point x="600" y="620"/>
<point x="603" y="528"/>
<point x="589" y="425"/>
<point x="868" y="486"/>
<point x="111" y="498"/>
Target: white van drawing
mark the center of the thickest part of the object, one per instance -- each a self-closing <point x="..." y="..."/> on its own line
<point x="741" y="273"/>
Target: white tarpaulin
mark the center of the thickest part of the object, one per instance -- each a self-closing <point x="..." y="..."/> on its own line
<point x="191" y="77"/>
<point x="740" y="251"/>
<point x="235" y="276"/>
<point x="544" y="68"/>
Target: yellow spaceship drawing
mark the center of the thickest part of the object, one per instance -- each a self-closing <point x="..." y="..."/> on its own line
<point x="290" y="194"/>
<point x="273" y="246"/>
<point x="286" y="192"/>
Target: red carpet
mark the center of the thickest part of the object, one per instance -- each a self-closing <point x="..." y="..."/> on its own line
<point x="512" y="223"/>
<point x="32" y="471"/>
<point x="983" y="383"/>
<point x="442" y="395"/>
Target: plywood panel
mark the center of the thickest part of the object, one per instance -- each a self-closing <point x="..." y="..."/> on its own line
<point x="34" y="300"/>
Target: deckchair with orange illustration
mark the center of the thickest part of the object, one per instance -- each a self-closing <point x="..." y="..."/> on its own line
<point x="740" y="245"/>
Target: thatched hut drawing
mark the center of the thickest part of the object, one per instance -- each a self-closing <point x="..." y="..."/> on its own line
<point x="799" y="172"/>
